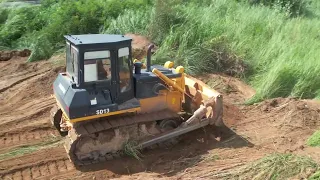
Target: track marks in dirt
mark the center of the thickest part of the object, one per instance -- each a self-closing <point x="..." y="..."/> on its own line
<point x="42" y="164"/>
<point x="18" y="81"/>
<point x="22" y="137"/>
<point x="29" y="114"/>
<point x="39" y="171"/>
<point x="10" y="94"/>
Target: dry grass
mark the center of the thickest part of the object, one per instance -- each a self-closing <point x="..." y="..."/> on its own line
<point x="275" y="166"/>
<point x="27" y="149"/>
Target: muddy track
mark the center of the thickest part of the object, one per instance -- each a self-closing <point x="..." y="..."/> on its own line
<point x="115" y="126"/>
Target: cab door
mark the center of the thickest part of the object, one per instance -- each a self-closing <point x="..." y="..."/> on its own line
<point x="124" y="75"/>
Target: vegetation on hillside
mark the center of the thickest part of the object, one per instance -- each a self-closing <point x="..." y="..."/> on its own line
<point x="272" y="44"/>
<point x="275" y="52"/>
<point x="41" y="28"/>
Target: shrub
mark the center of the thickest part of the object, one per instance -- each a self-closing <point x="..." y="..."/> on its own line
<point x="44" y="26"/>
<point x="164" y="18"/>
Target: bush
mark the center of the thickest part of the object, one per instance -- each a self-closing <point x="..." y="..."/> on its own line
<point x="18" y="22"/>
<point x="41" y="49"/>
<point x="3" y="15"/>
<point x="164" y="18"/>
<point x="44" y="26"/>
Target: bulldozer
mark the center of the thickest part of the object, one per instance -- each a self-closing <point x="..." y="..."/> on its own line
<point x="107" y="102"/>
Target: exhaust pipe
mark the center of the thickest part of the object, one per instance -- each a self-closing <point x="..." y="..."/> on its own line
<point x="150" y="47"/>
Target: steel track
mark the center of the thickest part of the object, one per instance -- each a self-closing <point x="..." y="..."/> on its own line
<point x="89" y="128"/>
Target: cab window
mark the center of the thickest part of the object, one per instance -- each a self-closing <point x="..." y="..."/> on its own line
<point x="72" y="61"/>
<point x="97" y="66"/>
<point x="124" y="69"/>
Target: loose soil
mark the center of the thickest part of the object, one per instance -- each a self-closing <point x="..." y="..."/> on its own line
<point x="251" y="132"/>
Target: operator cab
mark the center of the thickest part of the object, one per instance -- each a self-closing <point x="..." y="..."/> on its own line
<point x="101" y="62"/>
<point x="99" y="78"/>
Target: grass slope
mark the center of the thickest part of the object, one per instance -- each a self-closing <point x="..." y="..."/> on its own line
<point x="275" y="52"/>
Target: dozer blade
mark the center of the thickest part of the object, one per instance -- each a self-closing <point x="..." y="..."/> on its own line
<point x="200" y="118"/>
<point x="197" y="94"/>
<point x="204" y="95"/>
<point x="183" y="129"/>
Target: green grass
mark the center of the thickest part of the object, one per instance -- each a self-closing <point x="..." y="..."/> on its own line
<point x="273" y="167"/>
<point x="315" y="176"/>
<point x="41" y="28"/>
<point x="27" y="149"/>
<point x="274" y="52"/>
<point x="314" y="140"/>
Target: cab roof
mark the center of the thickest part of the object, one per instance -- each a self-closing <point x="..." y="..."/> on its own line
<point x="96" y="39"/>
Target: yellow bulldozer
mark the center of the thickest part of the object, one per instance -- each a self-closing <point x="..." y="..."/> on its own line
<point x="106" y="101"/>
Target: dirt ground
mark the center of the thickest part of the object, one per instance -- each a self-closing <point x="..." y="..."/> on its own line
<point x="276" y="125"/>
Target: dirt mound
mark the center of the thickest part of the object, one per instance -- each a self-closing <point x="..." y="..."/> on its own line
<point x="7" y="55"/>
<point x="233" y="89"/>
<point x="42" y="87"/>
<point x="139" y="46"/>
<point x="22" y="81"/>
<point x="282" y="124"/>
<point x="298" y="113"/>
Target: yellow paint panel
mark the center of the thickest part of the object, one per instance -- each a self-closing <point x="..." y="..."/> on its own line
<point x="174" y="101"/>
<point x="153" y="104"/>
